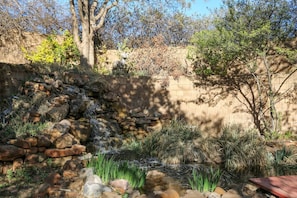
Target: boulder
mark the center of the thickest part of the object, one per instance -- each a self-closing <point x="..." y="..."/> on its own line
<point x="10" y="152"/>
<point x="168" y="194"/>
<point x="65" y="141"/>
<point x="193" y="194"/>
<point x="63" y="126"/>
<point x="77" y="107"/>
<point x="43" y="141"/>
<point x="81" y="129"/>
<point x="20" y="143"/>
<point x="58" y="113"/>
<point x="74" y="150"/>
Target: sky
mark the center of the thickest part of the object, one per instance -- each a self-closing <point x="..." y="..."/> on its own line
<point x="201" y="7"/>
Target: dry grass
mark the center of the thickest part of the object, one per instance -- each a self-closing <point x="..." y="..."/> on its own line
<point x="179" y="143"/>
<point x="243" y="150"/>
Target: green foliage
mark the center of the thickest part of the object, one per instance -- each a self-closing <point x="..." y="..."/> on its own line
<point x="244" y="32"/>
<point x="205" y="180"/>
<point x="285" y="162"/>
<point x="52" y="51"/>
<point x="108" y="169"/>
<point x="247" y="34"/>
<point x="215" y="51"/>
<point x="274" y="135"/>
<point x="243" y="150"/>
<point x="291" y="54"/>
<point x="17" y="127"/>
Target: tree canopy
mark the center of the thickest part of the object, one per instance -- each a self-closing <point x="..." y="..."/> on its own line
<point x="243" y="38"/>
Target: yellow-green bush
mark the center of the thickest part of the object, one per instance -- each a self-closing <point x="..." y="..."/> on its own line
<point x="52" y="51"/>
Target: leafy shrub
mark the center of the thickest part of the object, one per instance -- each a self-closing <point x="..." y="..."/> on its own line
<point x="52" y="51"/>
<point x="205" y="180"/>
<point x="108" y="169"/>
<point x="17" y="127"/>
<point x="243" y="150"/>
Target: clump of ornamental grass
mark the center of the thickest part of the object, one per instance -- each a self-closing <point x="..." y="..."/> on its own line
<point x="108" y="170"/>
<point x="243" y="150"/>
<point x="173" y="143"/>
<point x="285" y="161"/>
<point x="205" y="180"/>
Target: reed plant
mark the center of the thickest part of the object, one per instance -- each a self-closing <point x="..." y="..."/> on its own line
<point x="109" y="169"/>
<point x="205" y="180"/>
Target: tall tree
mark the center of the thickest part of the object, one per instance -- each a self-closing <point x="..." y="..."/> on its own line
<point x="248" y="34"/>
<point x="89" y="16"/>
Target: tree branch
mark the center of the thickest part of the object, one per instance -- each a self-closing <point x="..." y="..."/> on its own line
<point x="74" y="24"/>
<point x="285" y="81"/>
<point x="102" y="13"/>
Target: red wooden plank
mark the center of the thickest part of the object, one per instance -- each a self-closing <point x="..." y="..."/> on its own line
<point x="281" y="186"/>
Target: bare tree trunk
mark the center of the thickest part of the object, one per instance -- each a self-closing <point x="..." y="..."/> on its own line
<point x="271" y="96"/>
<point x="90" y="21"/>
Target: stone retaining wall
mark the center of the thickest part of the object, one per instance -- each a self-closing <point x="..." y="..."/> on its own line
<point x="209" y="107"/>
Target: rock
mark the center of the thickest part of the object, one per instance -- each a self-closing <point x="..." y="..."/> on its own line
<point x="35" y="158"/>
<point x="78" y="107"/>
<point x="60" y="161"/>
<point x="193" y="194"/>
<point x="74" y="165"/>
<point x="32" y="141"/>
<point x="10" y="152"/>
<point x="71" y="168"/>
<point x="110" y="195"/>
<point x="60" y="100"/>
<point x="93" y="187"/>
<point x="213" y="195"/>
<point x="231" y="194"/>
<point x="63" y="126"/>
<point x="57" y="84"/>
<point x="97" y="87"/>
<point x="86" y="172"/>
<point x="76" y="185"/>
<point x="53" y="179"/>
<point x="70" y="77"/>
<point x="158" y="181"/>
<point x="74" y="150"/>
<point x="93" y="190"/>
<point x="249" y="189"/>
<point x="93" y="179"/>
<point x="168" y="194"/>
<point x="17" y="163"/>
<point x="120" y="184"/>
<point x="219" y="190"/>
<point x="65" y="141"/>
<point x="43" y="190"/>
<point x="68" y="174"/>
<point x="81" y="130"/>
<point x="56" y="114"/>
<point x="43" y="141"/>
<point x="32" y="150"/>
<point x="20" y="143"/>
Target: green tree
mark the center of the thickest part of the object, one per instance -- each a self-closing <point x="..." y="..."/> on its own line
<point x="247" y="34"/>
